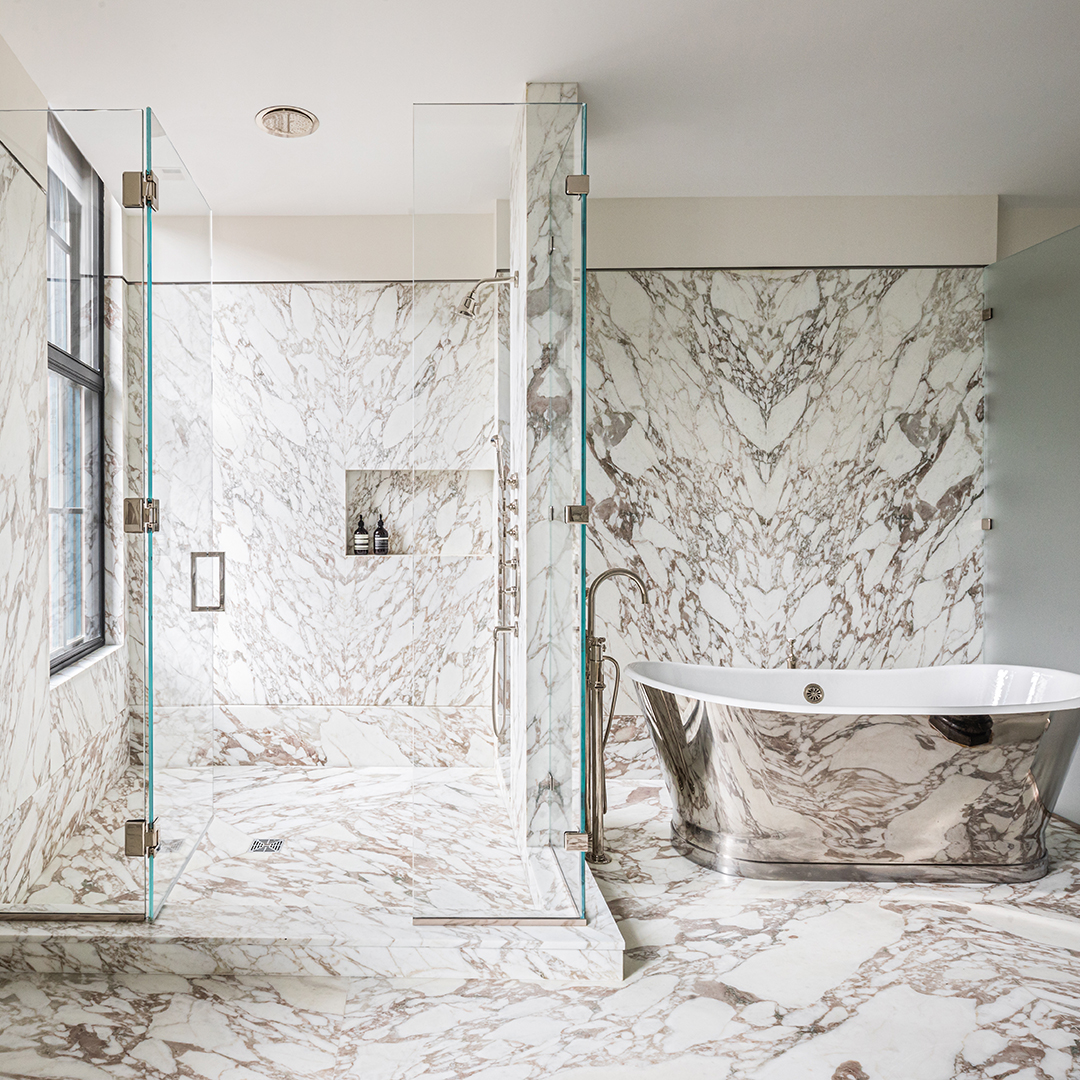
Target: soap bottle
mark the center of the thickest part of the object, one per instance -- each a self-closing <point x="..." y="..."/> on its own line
<point x="361" y="542"/>
<point x="382" y="539"/>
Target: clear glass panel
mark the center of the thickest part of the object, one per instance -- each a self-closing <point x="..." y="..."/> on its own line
<point x="72" y="861"/>
<point x="564" y="372"/>
<point x="497" y="359"/>
<point x="73" y="249"/>
<point x="179" y="437"/>
<point x="75" y="537"/>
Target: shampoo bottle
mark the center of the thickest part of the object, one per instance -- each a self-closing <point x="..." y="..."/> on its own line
<point x="382" y="539"/>
<point x="361" y="542"/>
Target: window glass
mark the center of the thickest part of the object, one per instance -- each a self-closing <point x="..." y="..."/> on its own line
<point x="76" y="401"/>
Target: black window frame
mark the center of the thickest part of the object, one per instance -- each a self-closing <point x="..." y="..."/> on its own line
<point x="63" y="363"/>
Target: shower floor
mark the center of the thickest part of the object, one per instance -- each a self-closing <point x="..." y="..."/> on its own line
<point x="363" y="853"/>
<point x="404" y="841"/>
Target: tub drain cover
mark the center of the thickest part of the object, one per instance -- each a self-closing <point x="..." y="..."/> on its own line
<point x="813" y="693"/>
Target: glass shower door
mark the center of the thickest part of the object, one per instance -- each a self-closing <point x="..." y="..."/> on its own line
<point x="185" y="574"/>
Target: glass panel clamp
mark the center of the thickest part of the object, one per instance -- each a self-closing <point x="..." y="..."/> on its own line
<point x="141" y="840"/>
<point x="140" y="189"/>
<point x="142" y="515"/>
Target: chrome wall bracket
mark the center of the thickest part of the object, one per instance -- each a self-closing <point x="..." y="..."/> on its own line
<point x="139" y="190"/>
<point x="142" y="515"/>
<point x="575" y="841"/>
<point x="577" y="185"/>
<point x="140" y="839"/>
<point x="576" y="515"/>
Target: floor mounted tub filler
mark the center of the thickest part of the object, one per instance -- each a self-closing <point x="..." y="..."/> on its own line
<point x="918" y="774"/>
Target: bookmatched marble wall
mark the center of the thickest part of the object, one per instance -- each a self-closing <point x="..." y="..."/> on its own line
<point x="62" y="740"/>
<point x="790" y="454"/>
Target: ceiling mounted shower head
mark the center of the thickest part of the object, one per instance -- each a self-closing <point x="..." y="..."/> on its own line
<point x="287" y="121"/>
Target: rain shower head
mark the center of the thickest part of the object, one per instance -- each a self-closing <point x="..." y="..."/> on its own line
<point x="470" y="306"/>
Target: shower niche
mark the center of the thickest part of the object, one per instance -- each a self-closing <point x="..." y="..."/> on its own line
<point x="425" y="511"/>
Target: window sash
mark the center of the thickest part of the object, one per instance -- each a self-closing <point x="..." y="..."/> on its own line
<point x="76" y="513"/>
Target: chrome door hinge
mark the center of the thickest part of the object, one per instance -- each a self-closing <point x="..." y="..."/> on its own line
<point x="576" y="515"/>
<point x="577" y="185"/>
<point x="140" y="839"/>
<point x="140" y="189"/>
<point x="575" y="841"/>
<point x="987" y="314"/>
<point x="142" y="515"/>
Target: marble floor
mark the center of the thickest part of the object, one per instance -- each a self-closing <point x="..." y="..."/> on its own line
<point x="725" y="979"/>
<point x="414" y="842"/>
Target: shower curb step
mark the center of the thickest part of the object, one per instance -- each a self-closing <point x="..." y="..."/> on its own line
<point x="379" y="945"/>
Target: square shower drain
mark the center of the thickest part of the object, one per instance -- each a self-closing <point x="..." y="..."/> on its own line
<point x="266" y="845"/>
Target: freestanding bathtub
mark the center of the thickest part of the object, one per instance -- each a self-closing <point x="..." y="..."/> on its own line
<point x="929" y="774"/>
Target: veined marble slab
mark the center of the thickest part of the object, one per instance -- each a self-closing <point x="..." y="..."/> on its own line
<point x="789" y="454"/>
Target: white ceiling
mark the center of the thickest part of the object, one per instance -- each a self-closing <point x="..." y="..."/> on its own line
<point x="686" y="97"/>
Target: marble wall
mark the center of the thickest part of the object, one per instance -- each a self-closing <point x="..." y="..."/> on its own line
<point x="790" y="454"/>
<point x="323" y="405"/>
<point x="62" y="740"/>
<point x="545" y="450"/>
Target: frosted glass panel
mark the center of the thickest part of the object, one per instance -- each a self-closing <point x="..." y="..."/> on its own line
<point x="1032" y="577"/>
<point x="1033" y="456"/>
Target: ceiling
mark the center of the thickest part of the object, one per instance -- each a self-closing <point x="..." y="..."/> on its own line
<point x="686" y="97"/>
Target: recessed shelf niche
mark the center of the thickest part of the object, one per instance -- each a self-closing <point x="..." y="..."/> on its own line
<point x="426" y="511"/>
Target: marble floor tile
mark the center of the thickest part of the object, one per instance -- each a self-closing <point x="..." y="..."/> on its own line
<point x="158" y="1026"/>
<point x="725" y="980"/>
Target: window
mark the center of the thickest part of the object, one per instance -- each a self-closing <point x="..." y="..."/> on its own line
<point x="75" y="272"/>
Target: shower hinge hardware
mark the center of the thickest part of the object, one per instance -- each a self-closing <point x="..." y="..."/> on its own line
<point x="142" y="515"/>
<point x="987" y="524"/>
<point x="140" y="839"/>
<point x="139" y="190"/>
<point x="575" y="841"/>
<point x="987" y="314"/>
<point x="576" y="515"/>
<point x="577" y="185"/>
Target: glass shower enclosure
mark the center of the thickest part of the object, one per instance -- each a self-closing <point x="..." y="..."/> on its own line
<point x="136" y="717"/>
<point x="497" y="238"/>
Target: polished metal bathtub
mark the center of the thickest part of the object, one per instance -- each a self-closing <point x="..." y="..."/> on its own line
<point x="930" y="774"/>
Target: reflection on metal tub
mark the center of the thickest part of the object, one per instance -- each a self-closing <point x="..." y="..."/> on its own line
<point x="928" y="774"/>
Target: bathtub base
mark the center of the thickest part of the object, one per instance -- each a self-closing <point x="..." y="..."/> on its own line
<point x="853" y="871"/>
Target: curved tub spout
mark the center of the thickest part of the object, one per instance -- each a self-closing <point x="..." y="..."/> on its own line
<point x="595" y="781"/>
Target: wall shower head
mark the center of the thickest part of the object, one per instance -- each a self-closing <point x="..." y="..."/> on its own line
<point x="470" y="306"/>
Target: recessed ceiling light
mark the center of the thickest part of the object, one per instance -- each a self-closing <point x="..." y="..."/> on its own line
<point x="287" y="121"/>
